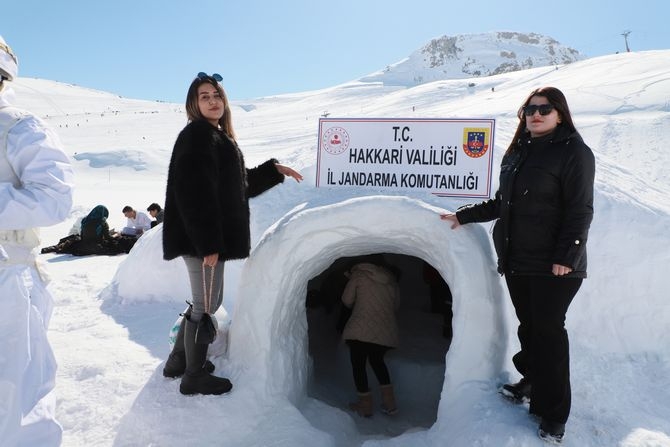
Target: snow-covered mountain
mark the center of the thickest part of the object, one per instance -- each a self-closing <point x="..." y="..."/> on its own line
<point x="475" y="55"/>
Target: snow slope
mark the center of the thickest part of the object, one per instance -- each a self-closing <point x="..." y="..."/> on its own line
<point x="112" y="316"/>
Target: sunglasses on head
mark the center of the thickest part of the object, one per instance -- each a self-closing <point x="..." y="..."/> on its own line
<point x="544" y="109"/>
<point x="217" y="77"/>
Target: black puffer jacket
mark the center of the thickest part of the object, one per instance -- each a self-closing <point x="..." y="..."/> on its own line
<point x="207" y="196"/>
<point x="544" y="205"/>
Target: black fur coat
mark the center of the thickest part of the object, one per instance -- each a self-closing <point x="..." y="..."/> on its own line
<point x="207" y="196"/>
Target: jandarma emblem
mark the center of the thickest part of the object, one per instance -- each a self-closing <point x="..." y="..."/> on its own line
<point x="475" y="141"/>
<point x="335" y="140"/>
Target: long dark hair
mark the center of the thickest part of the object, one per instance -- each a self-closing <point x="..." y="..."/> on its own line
<point x="557" y="99"/>
<point x="193" y="111"/>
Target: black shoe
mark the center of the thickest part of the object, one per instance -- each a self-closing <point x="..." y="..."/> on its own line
<point x="517" y="392"/>
<point x="551" y="432"/>
<point x="204" y="383"/>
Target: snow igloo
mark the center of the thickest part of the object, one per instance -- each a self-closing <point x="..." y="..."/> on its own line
<point x="283" y="330"/>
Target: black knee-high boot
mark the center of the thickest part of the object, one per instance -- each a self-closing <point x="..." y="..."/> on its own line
<point x="176" y="361"/>
<point x="196" y="379"/>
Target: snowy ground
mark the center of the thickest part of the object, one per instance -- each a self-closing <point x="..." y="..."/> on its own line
<point x="110" y="328"/>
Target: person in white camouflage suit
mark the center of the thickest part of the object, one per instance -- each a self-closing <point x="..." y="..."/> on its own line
<point x="35" y="190"/>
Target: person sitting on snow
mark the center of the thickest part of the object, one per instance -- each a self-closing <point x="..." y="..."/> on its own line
<point x="94" y="238"/>
<point x="138" y="222"/>
<point x="157" y="213"/>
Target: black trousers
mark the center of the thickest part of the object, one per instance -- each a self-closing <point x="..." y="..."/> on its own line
<point x="541" y="303"/>
<point x="360" y="353"/>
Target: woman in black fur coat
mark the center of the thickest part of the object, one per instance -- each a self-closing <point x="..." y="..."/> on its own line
<point x="544" y="208"/>
<point x="207" y="221"/>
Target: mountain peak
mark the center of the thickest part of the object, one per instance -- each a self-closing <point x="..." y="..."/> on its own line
<point x="474" y="55"/>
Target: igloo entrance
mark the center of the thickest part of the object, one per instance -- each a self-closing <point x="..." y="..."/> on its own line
<point x="416" y="367"/>
<point x="269" y="336"/>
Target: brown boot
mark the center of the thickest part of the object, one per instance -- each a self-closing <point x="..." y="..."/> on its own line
<point x="364" y="405"/>
<point x="388" y="399"/>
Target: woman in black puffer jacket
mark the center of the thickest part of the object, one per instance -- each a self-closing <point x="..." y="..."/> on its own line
<point x="543" y="207"/>
<point x="207" y="222"/>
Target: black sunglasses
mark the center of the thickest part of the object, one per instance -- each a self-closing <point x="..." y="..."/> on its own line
<point x="217" y="77"/>
<point x="544" y="109"/>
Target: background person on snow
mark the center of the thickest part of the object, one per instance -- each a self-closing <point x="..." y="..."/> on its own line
<point x="94" y="237"/>
<point x="207" y="220"/>
<point x="157" y="213"/>
<point x="544" y="208"/>
<point x="137" y="224"/>
<point x="372" y="329"/>
<point x="35" y="190"/>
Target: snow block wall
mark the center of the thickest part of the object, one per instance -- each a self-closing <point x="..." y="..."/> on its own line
<point x="268" y="334"/>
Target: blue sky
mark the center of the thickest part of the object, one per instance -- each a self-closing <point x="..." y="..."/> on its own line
<point x="150" y="49"/>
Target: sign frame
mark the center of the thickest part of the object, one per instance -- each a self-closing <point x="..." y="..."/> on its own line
<point x="448" y="157"/>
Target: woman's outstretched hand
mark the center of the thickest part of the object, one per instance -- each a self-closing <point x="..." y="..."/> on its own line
<point x="451" y="217"/>
<point x="289" y="172"/>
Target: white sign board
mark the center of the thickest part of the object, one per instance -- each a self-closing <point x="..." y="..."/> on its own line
<point x="447" y="157"/>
